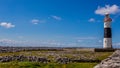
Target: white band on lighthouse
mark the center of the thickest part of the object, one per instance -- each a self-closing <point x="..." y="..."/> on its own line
<point x="107" y="43"/>
<point x="107" y="25"/>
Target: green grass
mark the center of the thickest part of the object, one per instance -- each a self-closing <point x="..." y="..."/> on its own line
<point x="49" y="65"/>
<point x="51" y="56"/>
<point x="93" y="55"/>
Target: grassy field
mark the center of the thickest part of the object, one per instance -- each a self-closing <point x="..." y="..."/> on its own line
<point x="49" y="65"/>
<point x="52" y="55"/>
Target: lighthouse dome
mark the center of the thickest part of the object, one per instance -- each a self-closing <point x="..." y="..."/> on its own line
<point x="107" y="18"/>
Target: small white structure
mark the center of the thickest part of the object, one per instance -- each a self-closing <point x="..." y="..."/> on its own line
<point x="107" y="41"/>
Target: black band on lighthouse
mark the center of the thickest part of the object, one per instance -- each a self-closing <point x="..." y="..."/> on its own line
<point x="107" y="33"/>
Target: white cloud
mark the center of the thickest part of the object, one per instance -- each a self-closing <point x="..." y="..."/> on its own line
<point x="26" y="43"/>
<point x="86" y="38"/>
<point x="9" y="42"/>
<point x="91" y="20"/>
<point x="36" y="43"/>
<point x="36" y="21"/>
<point x="107" y="9"/>
<point x="117" y="44"/>
<point x="20" y="37"/>
<point x="56" y="17"/>
<point x="45" y="43"/>
<point x="7" y="25"/>
<point x="79" y="40"/>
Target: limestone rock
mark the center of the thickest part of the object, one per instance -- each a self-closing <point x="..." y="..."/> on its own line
<point x="112" y="61"/>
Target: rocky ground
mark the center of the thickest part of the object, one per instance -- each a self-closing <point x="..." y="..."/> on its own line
<point x="112" y="61"/>
<point x="60" y="60"/>
<point x="51" y="55"/>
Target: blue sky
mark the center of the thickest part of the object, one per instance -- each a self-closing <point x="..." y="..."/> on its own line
<point x="61" y="23"/>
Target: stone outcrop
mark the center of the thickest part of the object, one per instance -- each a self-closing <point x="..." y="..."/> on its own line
<point x="112" y="61"/>
<point x="23" y="58"/>
<point x="60" y="60"/>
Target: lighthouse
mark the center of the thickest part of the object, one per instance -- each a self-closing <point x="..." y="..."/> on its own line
<point x="107" y="41"/>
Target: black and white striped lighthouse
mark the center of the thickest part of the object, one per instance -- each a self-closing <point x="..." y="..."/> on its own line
<point x="107" y="41"/>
